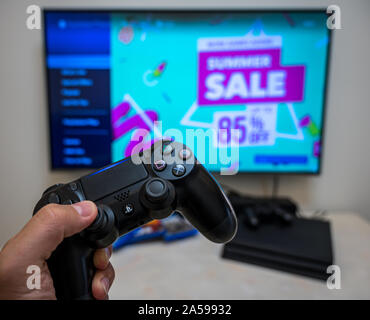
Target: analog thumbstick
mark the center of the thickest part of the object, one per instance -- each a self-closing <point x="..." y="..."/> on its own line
<point x="156" y="190"/>
<point x="102" y="232"/>
<point x="100" y="222"/>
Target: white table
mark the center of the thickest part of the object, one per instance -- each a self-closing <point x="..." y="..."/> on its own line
<point x="193" y="269"/>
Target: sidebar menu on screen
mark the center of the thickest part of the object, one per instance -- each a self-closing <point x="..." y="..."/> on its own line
<point x="78" y="66"/>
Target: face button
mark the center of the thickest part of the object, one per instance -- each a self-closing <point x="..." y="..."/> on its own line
<point x="67" y="202"/>
<point x="156" y="190"/>
<point x="160" y="165"/>
<point x="128" y="209"/>
<point x="167" y="139"/>
<point x="167" y="150"/>
<point x="185" y="154"/>
<point x="53" y="198"/>
<point x="178" y="170"/>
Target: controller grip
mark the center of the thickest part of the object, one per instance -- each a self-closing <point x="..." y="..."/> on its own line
<point x="209" y="210"/>
<point x="71" y="266"/>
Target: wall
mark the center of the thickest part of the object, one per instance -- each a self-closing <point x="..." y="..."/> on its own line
<point x="24" y="167"/>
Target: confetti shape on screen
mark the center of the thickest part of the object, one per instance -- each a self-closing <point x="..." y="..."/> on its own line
<point x="126" y="34"/>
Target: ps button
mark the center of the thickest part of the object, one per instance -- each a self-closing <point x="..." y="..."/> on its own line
<point x="160" y="165"/>
<point x="185" y="154"/>
<point x="128" y="209"/>
<point x="67" y="201"/>
<point x="53" y="198"/>
<point x="178" y="170"/>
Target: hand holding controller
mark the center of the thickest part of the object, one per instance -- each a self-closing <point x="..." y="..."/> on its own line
<point x="129" y="193"/>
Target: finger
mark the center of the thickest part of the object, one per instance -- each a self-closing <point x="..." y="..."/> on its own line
<point x="102" y="282"/>
<point x="101" y="257"/>
<point x="50" y="225"/>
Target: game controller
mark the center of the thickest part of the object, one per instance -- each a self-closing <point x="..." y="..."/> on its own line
<point x="151" y="184"/>
<point x="257" y="211"/>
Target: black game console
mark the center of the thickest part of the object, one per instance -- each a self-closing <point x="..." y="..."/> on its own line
<point x="150" y="184"/>
<point x="297" y="245"/>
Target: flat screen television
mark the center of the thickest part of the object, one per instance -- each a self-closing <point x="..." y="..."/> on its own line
<point x="260" y="76"/>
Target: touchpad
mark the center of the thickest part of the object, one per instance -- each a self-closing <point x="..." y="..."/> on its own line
<point x="112" y="178"/>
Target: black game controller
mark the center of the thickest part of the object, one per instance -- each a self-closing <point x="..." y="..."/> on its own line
<point x="257" y="211"/>
<point x="149" y="185"/>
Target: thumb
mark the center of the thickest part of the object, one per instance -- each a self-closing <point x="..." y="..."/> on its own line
<point x="50" y="225"/>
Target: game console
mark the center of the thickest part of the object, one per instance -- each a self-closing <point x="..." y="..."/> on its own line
<point x="271" y="234"/>
<point x="150" y="184"/>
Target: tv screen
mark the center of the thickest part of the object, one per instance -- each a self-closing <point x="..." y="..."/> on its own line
<point x="253" y="83"/>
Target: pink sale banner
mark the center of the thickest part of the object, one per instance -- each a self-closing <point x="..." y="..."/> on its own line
<point x="239" y="71"/>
